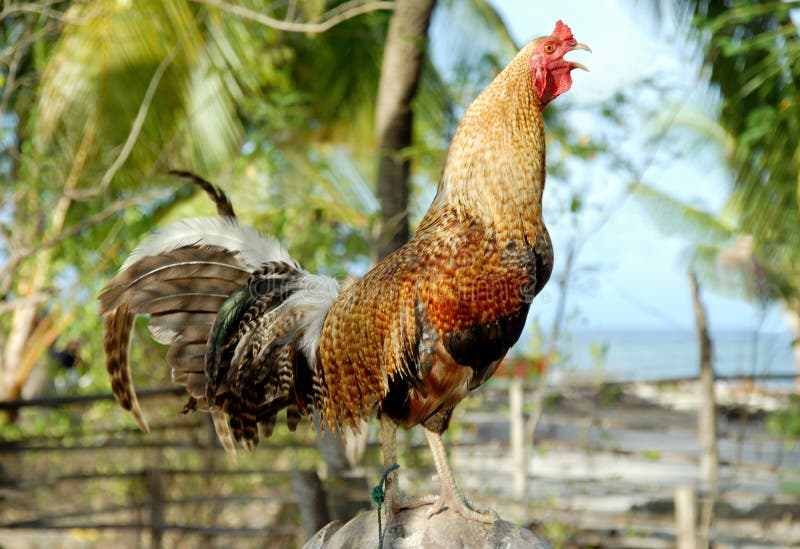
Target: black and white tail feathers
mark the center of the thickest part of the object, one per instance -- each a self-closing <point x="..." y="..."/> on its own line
<point x="220" y="199"/>
<point x="241" y="318"/>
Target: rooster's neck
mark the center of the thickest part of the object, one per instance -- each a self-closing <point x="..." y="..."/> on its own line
<point x="495" y="169"/>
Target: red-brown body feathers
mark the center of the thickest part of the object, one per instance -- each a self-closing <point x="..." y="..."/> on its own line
<point x="480" y="255"/>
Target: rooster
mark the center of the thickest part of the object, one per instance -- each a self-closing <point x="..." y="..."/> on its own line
<point x="251" y="333"/>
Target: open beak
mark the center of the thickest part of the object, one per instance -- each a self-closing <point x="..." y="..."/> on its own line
<point x="575" y="64"/>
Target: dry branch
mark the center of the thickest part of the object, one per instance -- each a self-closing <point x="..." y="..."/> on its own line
<point x="43" y="8"/>
<point x="53" y="402"/>
<point x="32" y="299"/>
<point x="138" y="122"/>
<point x="17" y="256"/>
<point x="329" y="19"/>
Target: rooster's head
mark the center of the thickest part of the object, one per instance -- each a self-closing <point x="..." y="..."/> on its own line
<point x="550" y="71"/>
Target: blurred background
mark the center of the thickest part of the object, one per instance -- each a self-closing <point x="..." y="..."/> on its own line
<point x="661" y="359"/>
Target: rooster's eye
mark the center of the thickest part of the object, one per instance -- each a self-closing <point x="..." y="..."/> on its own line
<point x="549" y="48"/>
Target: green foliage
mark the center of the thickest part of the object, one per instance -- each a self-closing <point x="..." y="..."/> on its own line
<point x="674" y="216"/>
<point x="791" y="488"/>
<point x="753" y="57"/>
<point x="282" y="121"/>
<point x="599" y="353"/>
<point x="343" y="102"/>
<point x="553" y="399"/>
<point x="559" y="534"/>
<point x="610" y="393"/>
<point x="652" y="455"/>
<point x="786" y="422"/>
<point x="710" y="234"/>
<point x="33" y="424"/>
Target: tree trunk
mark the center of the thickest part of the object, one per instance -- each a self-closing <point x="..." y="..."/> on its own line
<point x="17" y="358"/>
<point x="12" y="378"/>
<point x="402" y="63"/>
<point x="154" y="486"/>
<point x="707" y="414"/>
<point x="17" y="361"/>
<point x="400" y="70"/>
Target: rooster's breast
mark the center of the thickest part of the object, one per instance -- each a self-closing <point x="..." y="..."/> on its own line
<point x="470" y="308"/>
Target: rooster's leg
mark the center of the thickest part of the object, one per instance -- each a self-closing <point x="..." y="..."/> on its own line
<point x="451" y="496"/>
<point x="397" y="500"/>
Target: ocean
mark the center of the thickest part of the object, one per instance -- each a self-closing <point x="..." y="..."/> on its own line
<point x="656" y="355"/>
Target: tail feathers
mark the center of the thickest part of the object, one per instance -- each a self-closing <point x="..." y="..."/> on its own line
<point x="172" y="275"/>
<point x="167" y="327"/>
<point x="220" y="199"/>
<point x="223" y="430"/>
<point x="118" y="327"/>
<point x="180" y="277"/>
<point x="242" y="321"/>
<point x="249" y="248"/>
<point x="257" y="340"/>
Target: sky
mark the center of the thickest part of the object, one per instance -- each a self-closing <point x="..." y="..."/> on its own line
<point x="642" y="281"/>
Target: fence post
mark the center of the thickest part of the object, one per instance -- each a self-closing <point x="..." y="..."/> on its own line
<point x="519" y="451"/>
<point x="311" y="499"/>
<point x="707" y="413"/>
<point x="686" y="516"/>
<point x="155" y="491"/>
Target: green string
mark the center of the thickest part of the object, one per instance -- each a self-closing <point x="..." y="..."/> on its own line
<point x="377" y="497"/>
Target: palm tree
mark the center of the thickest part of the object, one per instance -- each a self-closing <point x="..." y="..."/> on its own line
<point x="115" y="99"/>
<point x="123" y="91"/>
<point x="752" y="57"/>
<point x="284" y="120"/>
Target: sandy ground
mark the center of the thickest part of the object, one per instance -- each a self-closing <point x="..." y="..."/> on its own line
<point x="616" y="465"/>
<point x="604" y="471"/>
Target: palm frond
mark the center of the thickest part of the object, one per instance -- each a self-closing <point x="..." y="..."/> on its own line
<point x="674" y="216"/>
<point x="135" y="63"/>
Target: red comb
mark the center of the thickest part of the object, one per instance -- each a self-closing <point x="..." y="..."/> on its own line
<point x="563" y="32"/>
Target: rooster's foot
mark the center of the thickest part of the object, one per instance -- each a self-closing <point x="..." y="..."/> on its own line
<point x="402" y="501"/>
<point x="461" y="505"/>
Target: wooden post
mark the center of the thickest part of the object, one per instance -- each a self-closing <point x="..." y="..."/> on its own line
<point x="341" y="480"/>
<point x="707" y="413"/>
<point x="686" y="517"/>
<point x="155" y="490"/>
<point x="519" y="450"/>
<point x="311" y="499"/>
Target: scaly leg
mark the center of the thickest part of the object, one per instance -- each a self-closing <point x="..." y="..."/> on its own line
<point x="397" y="500"/>
<point x="451" y="496"/>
